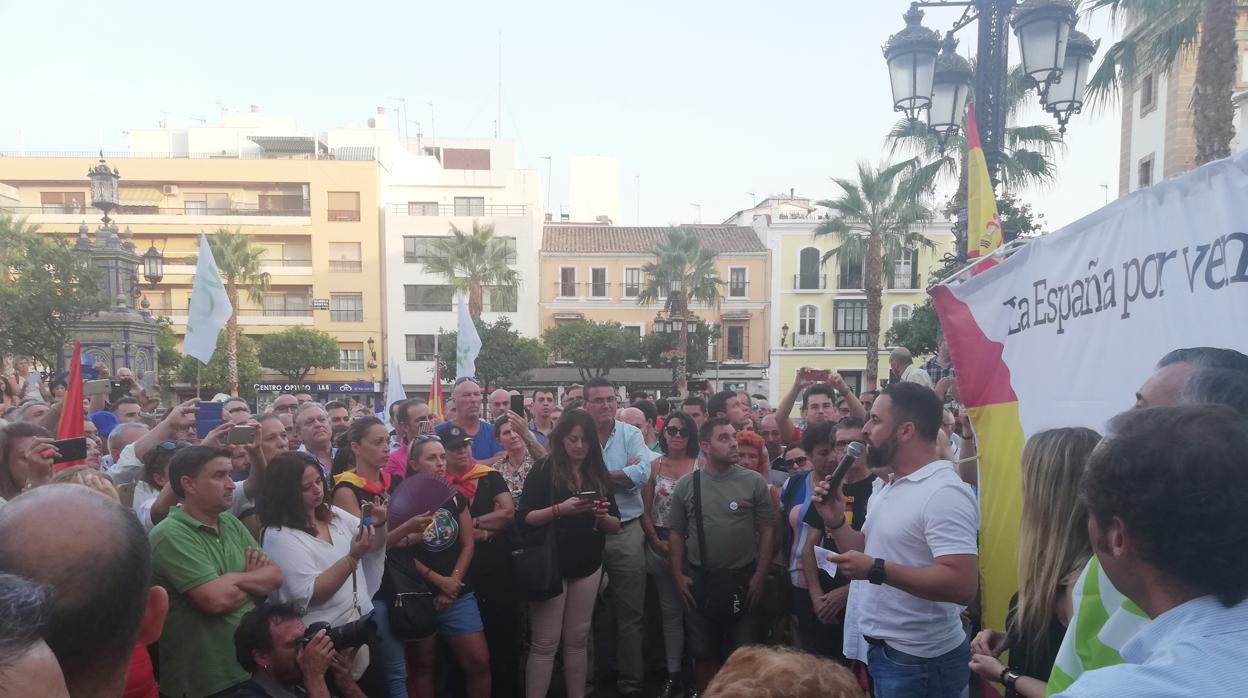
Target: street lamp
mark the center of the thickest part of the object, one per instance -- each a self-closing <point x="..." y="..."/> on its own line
<point x="104" y="194"/>
<point x="1043" y="28"/>
<point x="911" y="56"/>
<point x="784" y="334"/>
<point x="950" y="87"/>
<point x="153" y="266"/>
<point x="1065" y="97"/>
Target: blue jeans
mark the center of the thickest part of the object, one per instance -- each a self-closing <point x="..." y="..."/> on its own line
<point x="899" y="675"/>
<point x="390" y="653"/>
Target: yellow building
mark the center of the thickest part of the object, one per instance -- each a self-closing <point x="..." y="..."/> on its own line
<point x="316" y="218"/>
<point x="593" y="272"/>
<point x="820" y="318"/>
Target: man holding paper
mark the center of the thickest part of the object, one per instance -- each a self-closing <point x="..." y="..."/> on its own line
<point x="918" y="550"/>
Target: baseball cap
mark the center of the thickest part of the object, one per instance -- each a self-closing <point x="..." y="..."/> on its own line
<point x="454" y="437"/>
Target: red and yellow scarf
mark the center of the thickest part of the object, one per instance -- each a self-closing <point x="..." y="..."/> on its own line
<point x="356" y="480"/>
<point x="466" y="483"/>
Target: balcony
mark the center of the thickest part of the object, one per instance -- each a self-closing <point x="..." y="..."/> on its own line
<point x="189" y="211"/>
<point x="475" y="211"/>
<point x="851" y="339"/>
<point x="810" y="282"/>
<point x="248" y="317"/>
<point x="808" y="341"/>
<point x="738" y="291"/>
<point x="344" y="266"/>
<point x="567" y="289"/>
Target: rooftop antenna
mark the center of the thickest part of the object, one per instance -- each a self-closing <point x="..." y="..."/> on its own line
<point x="402" y="114"/>
<point x="753" y="198"/>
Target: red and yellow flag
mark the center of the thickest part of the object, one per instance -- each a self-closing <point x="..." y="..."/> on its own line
<point x="983" y="225"/>
<point x="435" y="394"/>
<point x="71" y="425"/>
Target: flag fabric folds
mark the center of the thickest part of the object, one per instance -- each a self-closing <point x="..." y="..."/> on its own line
<point x="983" y="226"/>
<point x="468" y="343"/>
<point x="435" y="393"/>
<point x="210" y="307"/>
<point x="72" y="424"/>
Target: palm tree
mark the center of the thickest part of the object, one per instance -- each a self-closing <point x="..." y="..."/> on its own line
<point x="874" y="218"/>
<point x="472" y="261"/>
<point x="238" y="258"/>
<point x="683" y="272"/>
<point x="1160" y="33"/>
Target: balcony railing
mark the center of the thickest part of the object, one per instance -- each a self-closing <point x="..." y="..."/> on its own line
<point x="59" y="210"/>
<point x="814" y="339"/>
<point x="233" y="154"/>
<point x="342" y="215"/>
<point x="345" y="265"/>
<point x="565" y="289"/>
<point x="285" y="262"/>
<point x="242" y="312"/>
<point x="738" y="290"/>
<point x="486" y="210"/>
<point x="810" y="282"/>
<point x="346" y="315"/>
<point x="429" y="307"/>
<point x="851" y="339"/>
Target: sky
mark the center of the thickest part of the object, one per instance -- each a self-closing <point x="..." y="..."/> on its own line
<point x="715" y="104"/>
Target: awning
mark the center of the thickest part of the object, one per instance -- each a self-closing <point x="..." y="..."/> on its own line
<point x="352" y="152"/>
<point x="288" y="145"/>
<point x="140" y="196"/>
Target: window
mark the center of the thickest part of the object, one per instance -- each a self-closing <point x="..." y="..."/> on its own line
<point x="283" y="203"/>
<point x="807" y="319"/>
<point x="850" y="276"/>
<point x="291" y="254"/>
<point x="495" y="303"/>
<point x="470" y="205"/>
<point x="420" y="248"/>
<point x="1144" y="177"/>
<point x="420" y="347"/>
<point x="632" y="282"/>
<point x="598" y="282"/>
<point x="428" y="297"/>
<point x="511" y="249"/>
<point x="466" y="158"/>
<point x="1148" y="94"/>
<point x="346" y="307"/>
<point x="634" y="330"/>
<point x="62" y="201"/>
<point x="344" y="257"/>
<point x="206" y="204"/>
<point x="905" y="270"/>
<point x="736" y="282"/>
<point x="851" y="323"/>
<point x="567" y="282"/>
<point x="422" y="208"/>
<point x="280" y="304"/>
<point x="900" y="312"/>
<point x="344" y="206"/>
<point x="808" y="265"/>
<point x="350" y="359"/>
<point x="736" y="343"/>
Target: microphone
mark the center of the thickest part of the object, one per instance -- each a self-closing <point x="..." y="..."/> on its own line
<point x="852" y="452"/>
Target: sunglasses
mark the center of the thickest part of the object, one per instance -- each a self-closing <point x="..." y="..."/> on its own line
<point x="172" y="445"/>
<point x="800" y="460"/>
<point x="425" y="437"/>
<point x="676" y="431"/>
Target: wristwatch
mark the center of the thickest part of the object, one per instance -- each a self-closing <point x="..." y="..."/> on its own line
<point x="876" y="575"/>
<point x="1009" y="677"/>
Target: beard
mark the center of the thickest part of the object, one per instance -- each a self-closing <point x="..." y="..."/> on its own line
<point x="880" y="457"/>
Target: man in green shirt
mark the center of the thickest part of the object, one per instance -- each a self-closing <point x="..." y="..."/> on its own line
<point x="736" y="511"/>
<point x="212" y="568"/>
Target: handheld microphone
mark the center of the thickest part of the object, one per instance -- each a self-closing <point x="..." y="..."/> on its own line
<point x="852" y="452"/>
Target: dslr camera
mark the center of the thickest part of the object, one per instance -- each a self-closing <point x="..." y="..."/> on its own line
<point x="351" y="635"/>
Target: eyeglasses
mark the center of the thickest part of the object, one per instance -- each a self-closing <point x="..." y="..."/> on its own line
<point x="172" y="445"/>
<point x="800" y="460"/>
<point x="603" y="401"/>
<point x="676" y="431"/>
<point x="844" y="443"/>
<point x="236" y="410"/>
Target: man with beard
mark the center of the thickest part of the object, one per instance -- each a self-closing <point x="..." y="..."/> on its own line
<point x="918" y="550"/>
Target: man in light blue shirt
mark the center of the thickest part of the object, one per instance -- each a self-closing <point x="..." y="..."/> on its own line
<point x="1165" y="493"/>
<point x="628" y="463"/>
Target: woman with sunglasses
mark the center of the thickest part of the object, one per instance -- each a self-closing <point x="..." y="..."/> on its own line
<point x="153" y="479"/>
<point x="678" y="441"/>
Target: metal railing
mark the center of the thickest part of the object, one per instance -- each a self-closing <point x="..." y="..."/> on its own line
<point x="484" y="210"/>
<point x="564" y="289"/>
<point x="364" y="153"/>
<point x="345" y="265"/>
<point x="132" y="210"/>
<point x="810" y="282"/>
<point x="851" y="339"/>
<point x="738" y="290"/>
<point x="264" y="261"/>
<point x="814" y="339"/>
<point x="242" y="312"/>
<point x="429" y="307"/>
<point x="346" y="315"/>
<point x="342" y="215"/>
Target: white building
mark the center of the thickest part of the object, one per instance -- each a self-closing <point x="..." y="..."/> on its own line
<point x="594" y="189"/>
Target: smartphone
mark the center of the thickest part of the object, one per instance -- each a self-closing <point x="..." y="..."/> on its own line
<point x="517" y="404"/>
<point x="241" y="434"/>
<point x="207" y="417"/>
<point x="818" y="375"/>
<point x="697" y="386"/>
<point x="366" y="514"/>
<point x="97" y="387"/>
<point x="70" y="450"/>
<point x="424" y="427"/>
<point x="587" y="495"/>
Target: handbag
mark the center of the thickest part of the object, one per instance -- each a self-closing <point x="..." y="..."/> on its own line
<point x="412" y="613"/>
<point x="722" y="595"/>
<point x="359" y="663"/>
<point x="537" y="567"/>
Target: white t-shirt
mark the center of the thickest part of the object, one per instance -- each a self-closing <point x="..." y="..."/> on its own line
<point x="915" y="374"/>
<point x="915" y="519"/>
<point x="304" y="557"/>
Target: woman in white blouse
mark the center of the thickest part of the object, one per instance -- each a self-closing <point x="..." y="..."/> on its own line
<point x="331" y="564"/>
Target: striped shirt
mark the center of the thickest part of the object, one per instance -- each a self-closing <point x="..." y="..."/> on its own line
<point x="1103" y="622"/>
<point x="1194" y="649"/>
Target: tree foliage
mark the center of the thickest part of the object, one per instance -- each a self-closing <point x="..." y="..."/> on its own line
<point x="240" y="261"/>
<point x="215" y="377"/>
<point x="472" y="262"/>
<point x="297" y="351"/>
<point x="657" y="349"/>
<point x="593" y="347"/>
<point x="168" y="351"/>
<point x="47" y="289"/>
<point x="920" y="333"/>
<point x="505" y="356"/>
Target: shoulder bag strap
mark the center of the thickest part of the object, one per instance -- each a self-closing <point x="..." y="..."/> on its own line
<point x="697" y="514"/>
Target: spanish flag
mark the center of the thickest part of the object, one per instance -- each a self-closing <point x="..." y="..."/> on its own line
<point x="72" y="425"/>
<point x="435" y="394"/>
<point x="983" y="228"/>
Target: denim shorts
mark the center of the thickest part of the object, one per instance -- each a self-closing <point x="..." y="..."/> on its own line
<point x="460" y="618"/>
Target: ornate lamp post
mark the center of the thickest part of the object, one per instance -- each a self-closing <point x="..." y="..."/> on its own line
<point x="153" y="266"/>
<point x="950" y="88"/>
<point x="104" y="195"/>
<point x="1065" y="97"/>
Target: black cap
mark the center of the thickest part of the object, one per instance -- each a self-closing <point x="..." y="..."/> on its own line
<point x="454" y="437"/>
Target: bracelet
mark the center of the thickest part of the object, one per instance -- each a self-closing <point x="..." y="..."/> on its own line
<point x="556" y="508"/>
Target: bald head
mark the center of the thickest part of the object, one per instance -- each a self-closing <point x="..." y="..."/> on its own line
<point x="900" y="357"/>
<point x="633" y="416"/>
<point x="94" y="555"/>
<point x="500" y="403"/>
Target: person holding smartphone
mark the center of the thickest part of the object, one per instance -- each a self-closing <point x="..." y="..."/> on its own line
<point x="412" y="418"/>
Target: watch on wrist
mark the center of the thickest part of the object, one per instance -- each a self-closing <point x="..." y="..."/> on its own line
<point x="877" y="575"/>
<point x="1009" y="677"/>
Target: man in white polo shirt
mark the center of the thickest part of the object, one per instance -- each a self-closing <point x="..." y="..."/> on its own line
<point x="917" y="550"/>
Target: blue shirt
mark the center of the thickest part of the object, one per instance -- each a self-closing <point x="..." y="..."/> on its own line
<point x="541" y="438"/>
<point x="625" y="443"/>
<point x="484" y="445"/>
<point x="1195" y="649"/>
<point x="326" y="468"/>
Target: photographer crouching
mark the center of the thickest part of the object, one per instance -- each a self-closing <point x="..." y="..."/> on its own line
<point x="288" y="659"/>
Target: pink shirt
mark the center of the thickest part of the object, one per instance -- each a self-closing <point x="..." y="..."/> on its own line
<point x="396" y="464"/>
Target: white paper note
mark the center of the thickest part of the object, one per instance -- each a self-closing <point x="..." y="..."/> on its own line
<point x="821" y="557"/>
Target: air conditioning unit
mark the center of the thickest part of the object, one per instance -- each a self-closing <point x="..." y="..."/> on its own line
<point x="170" y="190"/>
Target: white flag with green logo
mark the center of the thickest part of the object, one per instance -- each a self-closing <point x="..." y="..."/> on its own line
<point x="467" y="343"/>
<point x="210" y="307"/>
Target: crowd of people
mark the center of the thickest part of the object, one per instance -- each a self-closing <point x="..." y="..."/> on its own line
<point x="597" y="541"/>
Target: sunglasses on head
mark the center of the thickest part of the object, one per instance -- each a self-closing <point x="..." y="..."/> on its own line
<point x="425" y="437"/>
<point x="800" y="460"/>
<point x="676" y="431"/>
